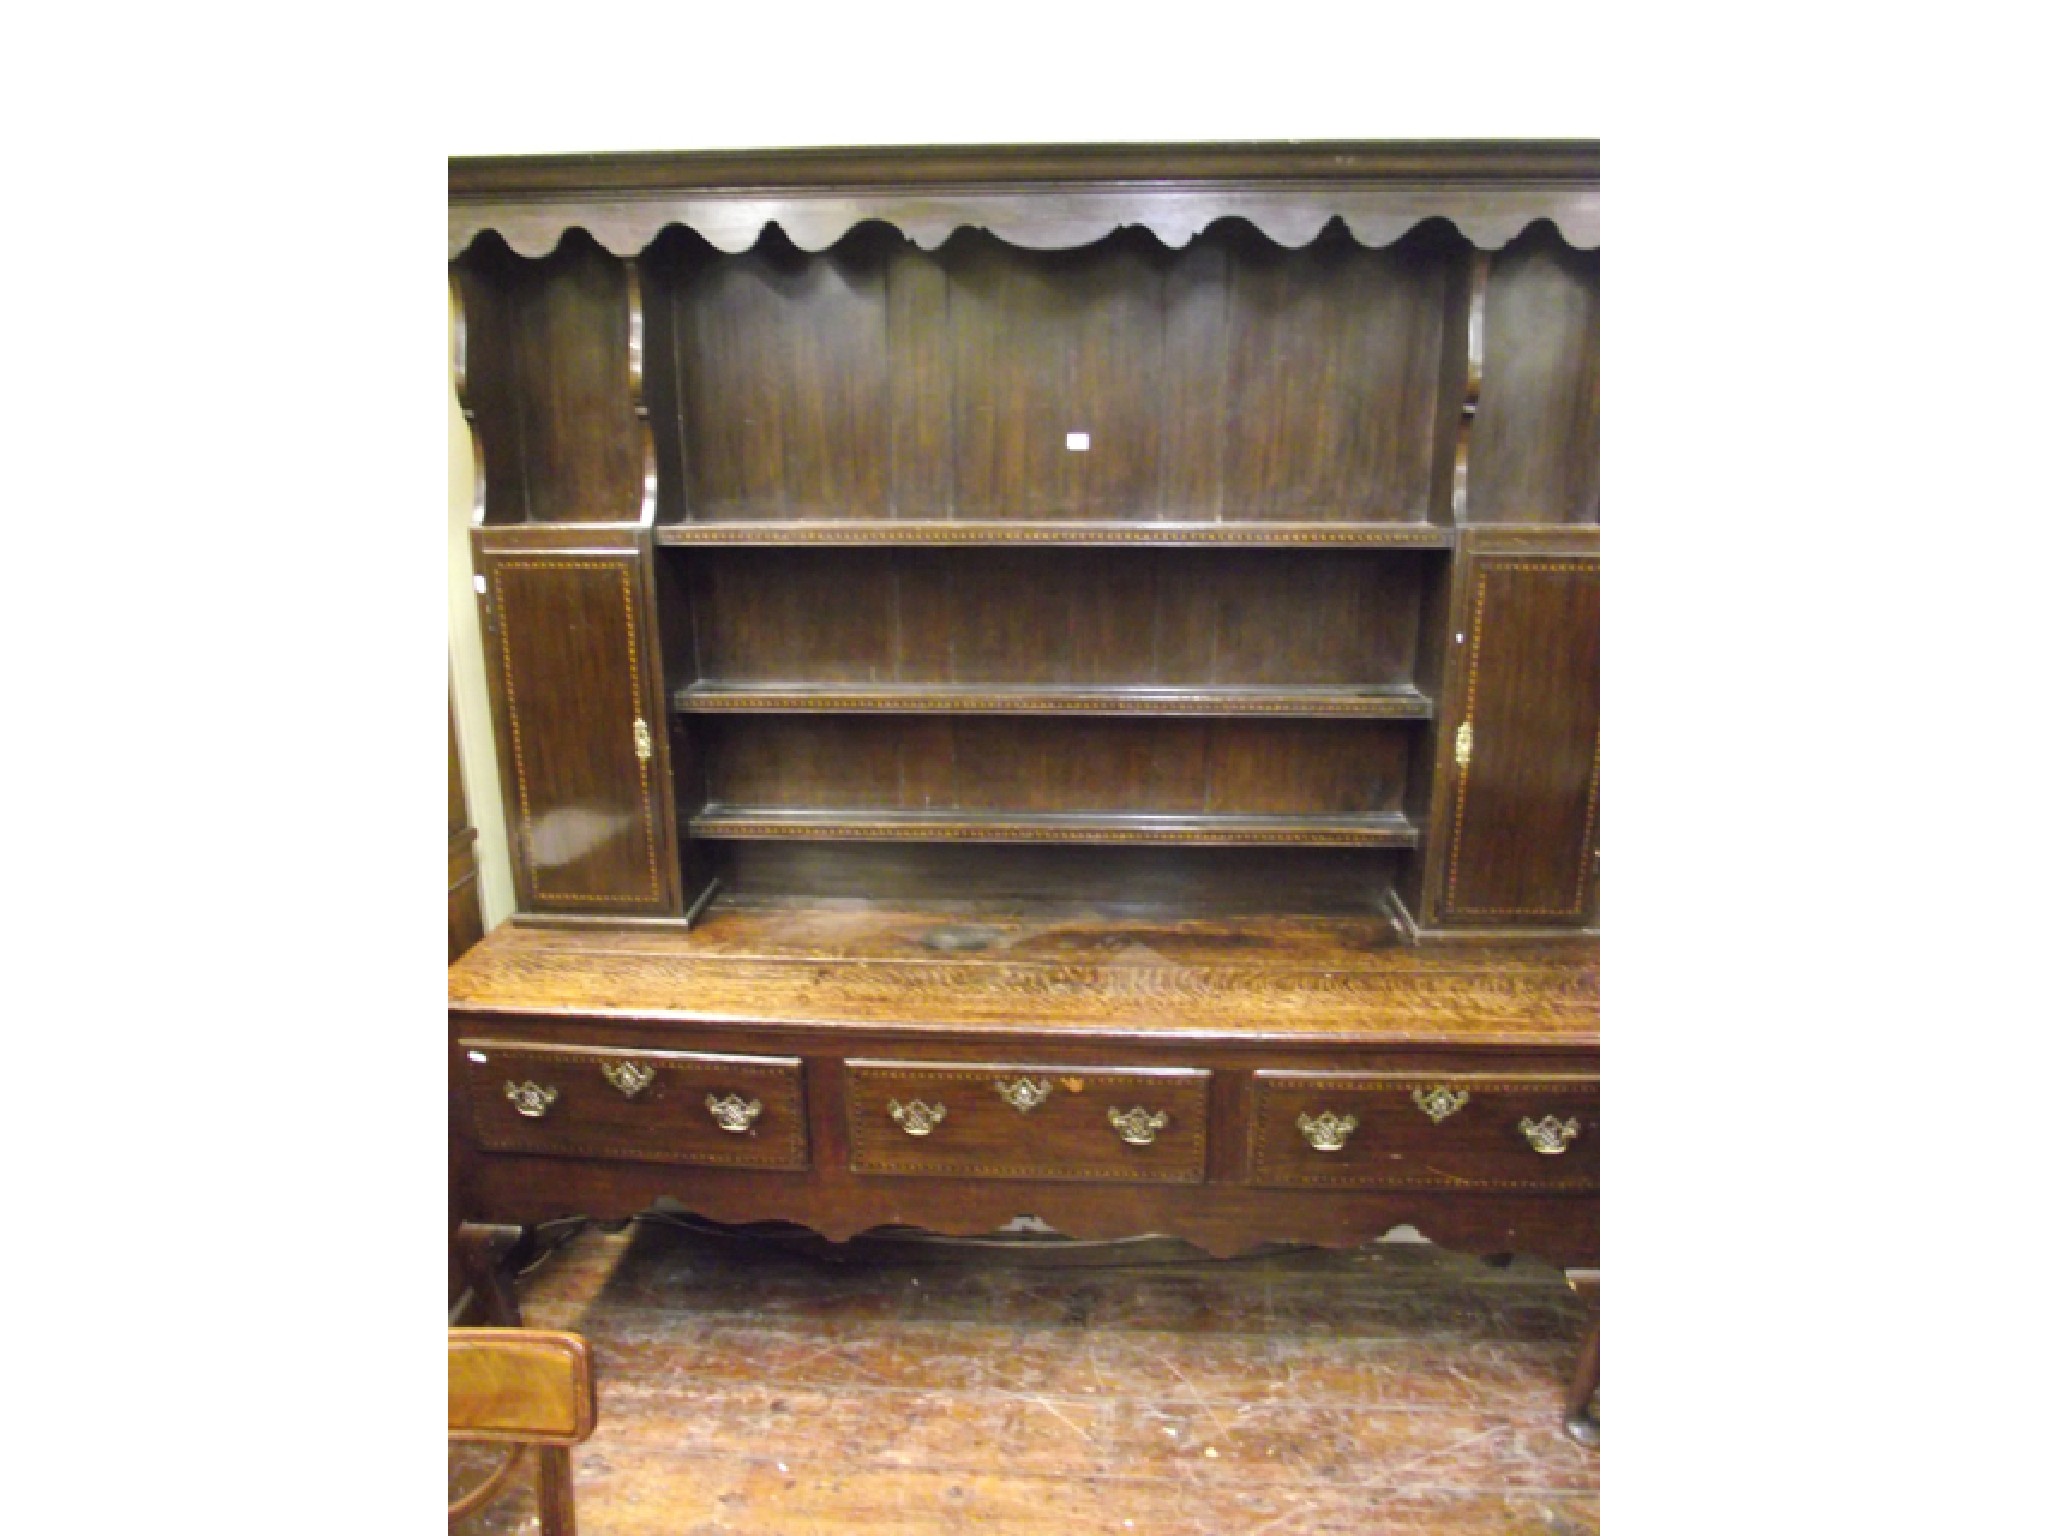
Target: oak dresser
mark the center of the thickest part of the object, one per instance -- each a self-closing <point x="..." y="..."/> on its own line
<point x="1053" y="683"/>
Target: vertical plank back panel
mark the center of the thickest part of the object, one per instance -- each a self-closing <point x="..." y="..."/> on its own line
<point x="1536" y="436"/>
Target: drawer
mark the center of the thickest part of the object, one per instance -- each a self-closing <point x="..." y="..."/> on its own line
<point x="1398" y="1130"/>
<point x="647" y="1106"/>
<point x="1001" y="1121"/>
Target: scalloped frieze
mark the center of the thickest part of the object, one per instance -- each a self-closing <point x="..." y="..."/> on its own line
<point x="1055" y="218"/>
<point x="1557" y="1229"/>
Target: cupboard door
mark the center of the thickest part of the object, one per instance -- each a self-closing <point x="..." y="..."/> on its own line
<point x="580" y="722"/>
<point x="1524" y="733"/>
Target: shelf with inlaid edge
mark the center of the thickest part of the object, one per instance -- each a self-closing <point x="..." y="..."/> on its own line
<point x="1382" y="830"/>
<point x="826" y="531"/>
<point x="1389" y="701"/>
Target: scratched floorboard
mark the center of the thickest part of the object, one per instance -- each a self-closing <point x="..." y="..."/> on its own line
<point x="751" y="1385"/>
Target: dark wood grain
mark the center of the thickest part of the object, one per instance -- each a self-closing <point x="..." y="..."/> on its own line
<point x="1381" y="829"/>
<point x="574" y="678"/>
<point x="973" y="754"/>
<point x="666" y="1121"/>
<point x="551" y="385"/>
<point x="1223" y="1220"/>
<point x="864" y="167"/>
<point x="1162" y="768"/>
<point x="1139" y="618"/>
<point x="1397" y="1144"/>
<point x="1371" y="701"/>
<point x="1068" y="1135"/>
<point x="1184" y="879"/>
<point x="1271" y="988"/>
<point x="1059" y="196"/>
<point x="1521" y="818"/>
<point x="1536" y="433"/>
<point x="1158" y="532"/>
<point x="1234" y="382"/>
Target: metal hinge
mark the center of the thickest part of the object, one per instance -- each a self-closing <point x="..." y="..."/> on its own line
<point x="643" y="741"/>
<point x="1463" y="750"/>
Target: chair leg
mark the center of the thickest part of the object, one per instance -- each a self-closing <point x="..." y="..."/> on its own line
<point x="490" y="1256"/>
<point x="557" y="1492"/>
<point x="1580" y="1421"/>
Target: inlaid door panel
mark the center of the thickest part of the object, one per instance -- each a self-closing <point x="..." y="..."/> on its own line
<point x="1522" y="728"/>
<point x="580" y="724"/>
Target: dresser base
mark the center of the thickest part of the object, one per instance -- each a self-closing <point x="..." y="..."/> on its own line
<point x="1227" y="1088"/>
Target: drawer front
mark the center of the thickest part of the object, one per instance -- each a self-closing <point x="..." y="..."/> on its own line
<point x="646" y="1106"/>
<point x="1399" y="1130"/>
<point x="1001" y="1121"/>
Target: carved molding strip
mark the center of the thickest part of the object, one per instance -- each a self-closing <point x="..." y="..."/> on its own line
<point x="910" y="701"/>
<point x="849" y="531"/>
<point x="1394" y="834"/>
<point x="1449" y="162"/>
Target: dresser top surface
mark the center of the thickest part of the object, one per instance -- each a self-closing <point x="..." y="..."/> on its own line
<point x="852" y="965"/>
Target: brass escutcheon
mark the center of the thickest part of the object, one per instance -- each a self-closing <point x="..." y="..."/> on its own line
<point x="1326" y="1132"/>
<point x="1024" y="1095"/>
<point x="1441" y="1102"/>
<point x="1549" y="1135"/>
<point x="530" y="1099"/>
<point x="629" y="1077"/>
<point x="917" y="1117"/>
<point x="732" y="1112"/>
<point x="1137" y="1125"/>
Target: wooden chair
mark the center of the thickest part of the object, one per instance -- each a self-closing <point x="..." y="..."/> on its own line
<point x="521" y="1387"/>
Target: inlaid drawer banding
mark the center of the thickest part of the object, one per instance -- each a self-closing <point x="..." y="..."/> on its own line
<point x="1362" y="1130"/>
<point x="645" y="1106"/>
<point x="1003" y="1120"/>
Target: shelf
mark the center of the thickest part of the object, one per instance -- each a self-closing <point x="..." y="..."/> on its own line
<point x="1390" y="830"/>
<point x="907" y="531"/>
<point x="1399" y="701"/>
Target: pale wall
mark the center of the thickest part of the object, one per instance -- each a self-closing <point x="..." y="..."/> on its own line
<point x="474" y="739"/>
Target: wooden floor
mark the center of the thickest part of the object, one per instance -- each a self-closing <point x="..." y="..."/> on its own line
<point x="750" y="1384"/>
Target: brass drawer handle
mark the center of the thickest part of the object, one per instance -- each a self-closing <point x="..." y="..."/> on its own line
<point x="1326" y="1132"/>
<point x="1549" y="1135"/>
<point x="1440" y="1102"/>
<point x="1024" y="1095"/>
<point x="732" y="1112"/>
<point x="629" y="1077"/>
<point x="917" y="1117"/>
<point x="1137" y="1125"/>
<point x="531" y="1099"/>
